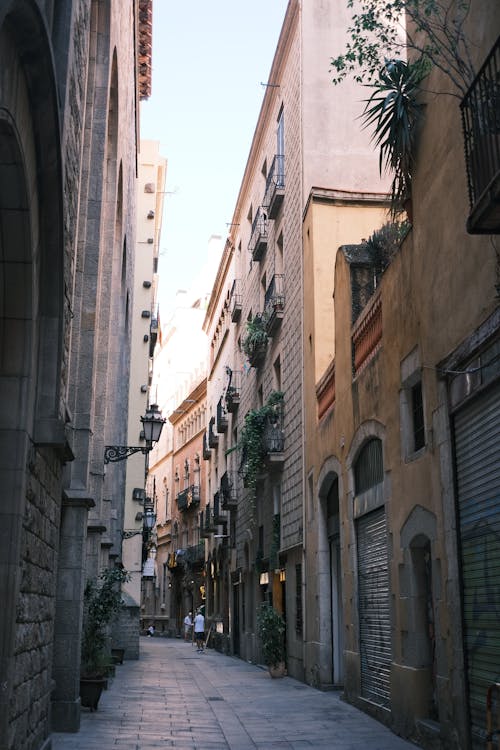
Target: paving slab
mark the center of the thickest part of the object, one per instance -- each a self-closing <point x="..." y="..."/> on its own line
<point x="173" y="697"/>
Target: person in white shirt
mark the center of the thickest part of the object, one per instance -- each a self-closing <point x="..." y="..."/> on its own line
<point x="199" y="631"/>
<point x="188" y="624"/>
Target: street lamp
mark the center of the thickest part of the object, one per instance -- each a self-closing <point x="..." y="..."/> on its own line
<point x="148" y="519"/>
<point x="152" y="425"/>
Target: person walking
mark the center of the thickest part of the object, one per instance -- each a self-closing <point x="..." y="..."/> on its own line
<point x="188" y="625"/>
<point x="199" y="631"/>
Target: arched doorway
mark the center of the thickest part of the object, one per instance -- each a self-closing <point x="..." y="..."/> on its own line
<point x="330" y="575"/>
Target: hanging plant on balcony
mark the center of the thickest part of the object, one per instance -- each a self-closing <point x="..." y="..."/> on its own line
<point x="255" y="341"/>
<point x="251" y="439"/>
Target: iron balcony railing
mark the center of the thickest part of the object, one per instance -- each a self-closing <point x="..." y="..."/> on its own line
<point x="228" y="491"/>
<point x="258" y="235"/>
<point x="233" y="391"/>
<point x="209" y="523"/>
<point x="235" y="303"/>
<point x="213" y="438"/>
<point x="275" y="186"/>
<point x="206" y="450"/>
<point x="273" y="439"/>
<point x="189" y="497"/>
<point x="274" y="302"/>
<point x="218" y="515"/>
<point x="195" y="555"/>
<point x="481" y="127"/>
<point x="222" y="420"/>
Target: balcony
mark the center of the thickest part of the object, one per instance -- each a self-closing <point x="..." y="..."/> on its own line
<point x="235" y="302"/>
<point x="213" y="438"/>
<point x="188" y="498"/>
<point x="206" y="450"/>
<point x="254" y="343"/>
<point x="203" y="531"/>
<point x="153" y="335"/>
<point x="227" y="495"/>
<point x="221" y="418"/>
<point x="219" y="516"/>
<point x="209" y="522"/>
<point x="274" y="303"/>
<point x="481" y="128"/>
<point x="273" y="439"/>
<point x="195" y="555"/>
<point x="258" y="237"/>
<point x="275" y="186"/>
<point x="233" y="391"/>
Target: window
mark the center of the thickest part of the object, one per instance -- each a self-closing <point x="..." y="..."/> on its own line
<point x="412" y="412"/>
<point x="369" y="467"/>
<point x="417" y="408"/>
<point x="298" y="599"/>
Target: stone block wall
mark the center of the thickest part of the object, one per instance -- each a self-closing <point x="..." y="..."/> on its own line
<point x="32" y="679"/>
<point x="125" y="633"/>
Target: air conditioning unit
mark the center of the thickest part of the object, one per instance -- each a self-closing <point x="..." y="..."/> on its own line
<point x="139" y="494"/>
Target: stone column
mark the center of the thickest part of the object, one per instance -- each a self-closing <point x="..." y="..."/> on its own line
<point x="69" y="598"/>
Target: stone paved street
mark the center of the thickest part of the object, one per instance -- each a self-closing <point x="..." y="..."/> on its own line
<point x="175" y="697"/>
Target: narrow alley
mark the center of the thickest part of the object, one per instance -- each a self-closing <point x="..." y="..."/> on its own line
<point x="175" y="697"/>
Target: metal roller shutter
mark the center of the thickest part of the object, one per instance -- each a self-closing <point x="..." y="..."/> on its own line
<point x="374" y="615"/>
<point x="477" y="446"/>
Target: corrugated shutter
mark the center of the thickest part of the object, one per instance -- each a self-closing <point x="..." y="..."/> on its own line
<point x="477" y="444"/>
<point x="374" y="616"/>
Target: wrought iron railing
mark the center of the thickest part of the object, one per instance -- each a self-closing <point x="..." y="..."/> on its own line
<point x="213" y="438"/>
<point x="235" y="303"/>
<point x="188" y="497"/>
<point x="222" y="420"/>
<point x="258" y="235"/>
<point x="481" y="127"/>
<point x="233" y="390"/>
<point x="275" y="183"/>
<point x="274" y="301"/>
<point x="195" y="555"/>
<point x="273" y="439"/>
<point x="228" y="491"/>
<point x="206" y="450"/>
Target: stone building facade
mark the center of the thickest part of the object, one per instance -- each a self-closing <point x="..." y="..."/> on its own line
<point x="294" y="149"/>
<point x="68" y="102"/>
<point x="402" y="511"/>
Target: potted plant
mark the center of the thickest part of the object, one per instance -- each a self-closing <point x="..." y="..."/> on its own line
<point x="271" y="631"/>
<point x="101" y="603"/>
<point x="255" y="342"/>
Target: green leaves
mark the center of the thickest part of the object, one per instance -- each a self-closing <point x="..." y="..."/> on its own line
<point x="256" y="335"/>
<point x="407" y="28"/>
<point x="271" y="631"/>
<point x="102" y="601"/>
<point x="393" y="111"/>
<point x="251" y="438"/>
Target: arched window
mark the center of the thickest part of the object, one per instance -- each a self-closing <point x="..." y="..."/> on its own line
<point x="369" y="466"/>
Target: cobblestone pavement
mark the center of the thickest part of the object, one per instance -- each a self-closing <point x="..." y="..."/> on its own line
<point x="175" y="697"/>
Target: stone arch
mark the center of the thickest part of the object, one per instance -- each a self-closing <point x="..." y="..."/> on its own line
<point x="420" y="590"/>
<point x="372" y="428"/>
<point x="329" y="574"/>
<point x="31" y="309"/>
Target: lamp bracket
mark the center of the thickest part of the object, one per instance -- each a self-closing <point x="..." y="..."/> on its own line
<point x="130" y="534"/>
<point x="113" y="453"/>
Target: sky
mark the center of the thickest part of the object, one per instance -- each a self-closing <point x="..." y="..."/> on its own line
<point x="209" y="60"/>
